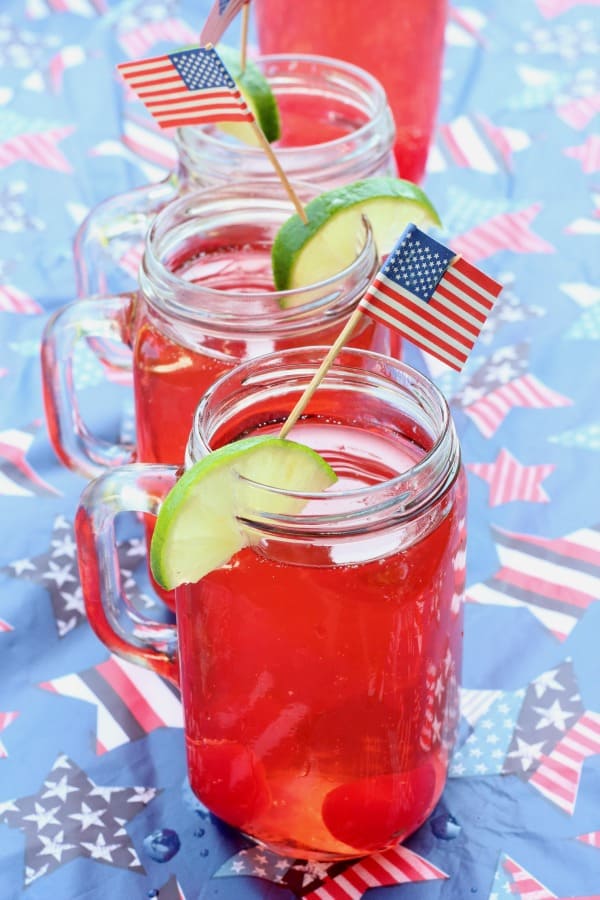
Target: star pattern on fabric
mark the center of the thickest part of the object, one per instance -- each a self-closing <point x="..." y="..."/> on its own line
<point x="555" y="579"/>
<point x="501" y="383"/>
<point x="71" y="816"/>
<point x="587" y="154"/>
<point x="510" y="480"/>
<point x="542" y="734"/>
<point x="17" y="477"/>
<point x="56" y="570"/>
<point x="347" y="880"/>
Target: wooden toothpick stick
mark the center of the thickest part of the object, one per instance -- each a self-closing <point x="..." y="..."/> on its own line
<point x="277" y="166"/>
<point x="244" y="37"/>
<point x="320" y="373"/>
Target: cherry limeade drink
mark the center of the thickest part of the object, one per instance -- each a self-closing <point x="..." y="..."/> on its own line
<point x="400" y="42"/>
<point x="321" y="709"/>
<point x="171" y="377"/>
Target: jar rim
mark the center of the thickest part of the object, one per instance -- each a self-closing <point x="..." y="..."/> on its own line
<point x="186" y="300"/>
<point x="184" y="137"/>
<point x="347" y="511"/>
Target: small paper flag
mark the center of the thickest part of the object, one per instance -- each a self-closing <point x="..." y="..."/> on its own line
<point x="188" y="87"/>
<point x="222" y="12"/>
<point x="432" y="297"/>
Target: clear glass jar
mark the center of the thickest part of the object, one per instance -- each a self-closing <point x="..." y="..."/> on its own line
<point x="337" y="128"/>
<point x="319" y="666"/>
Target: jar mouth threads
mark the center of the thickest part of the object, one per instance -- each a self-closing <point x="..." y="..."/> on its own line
<point x="363" y="390"/>
<point x="207" y="261"/>
<point x="351" y="138"/>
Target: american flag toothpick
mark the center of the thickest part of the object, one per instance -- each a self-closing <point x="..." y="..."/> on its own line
<point x="188" y="87"/>
<point x="432" y="297"/>
<point x="426" y="293"/>
<point x="194" y="87"/>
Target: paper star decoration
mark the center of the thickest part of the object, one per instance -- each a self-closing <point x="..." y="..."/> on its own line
<point x="512" y="880"/>
<point x="509" y="480"/>
<point x="501" y="384"/>
<point x="507" y="231"/>
<point x="556" y="579"/>
<point x="170" y="891"/>
<point x="473" y="142"/>
<point x="17" y="478"/>
<point x="33" y="141"/>
<point x="57" y="571"/>
<point x="6" y="719"/>
<point x="592" y="838"/>
<point x="588" y="154"/>
<point x="71" y="816"/>
<point x="342" y="880"/>
<point x="131" y="701"/>
<point x="542" y="734"/>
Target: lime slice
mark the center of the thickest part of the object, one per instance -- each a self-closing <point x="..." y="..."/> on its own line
<point x="259" y="97"/>
<point x="197" y="530"/>
<point x="305" y="253"/>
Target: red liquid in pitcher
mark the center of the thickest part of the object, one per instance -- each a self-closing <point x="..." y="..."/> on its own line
<point x="401" y="45"/>
<point x="321" y="684"/>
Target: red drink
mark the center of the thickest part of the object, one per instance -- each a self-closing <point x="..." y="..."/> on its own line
<point x="315" y="724"/>
<point x="319" y="665"/>
<point x="400" y="42"/>
<point x="170" y="376"/>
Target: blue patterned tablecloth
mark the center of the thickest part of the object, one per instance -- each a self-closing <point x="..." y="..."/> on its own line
<point x="94" y="801"/>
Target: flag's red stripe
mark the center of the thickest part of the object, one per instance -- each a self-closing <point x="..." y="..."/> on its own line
<point x="452" y="281"/>
<point x="143" y="65"/>
<point x="568" y="596"/>
<point x="543" y="780"/>
<point x="423" y="314"/>
<point x="164" y="81"/>
<point x="199" y="119"/>
<point x="135" y="702"/>
<point x="185" y="96"/>
<point x="420" y="328"/>
<point x="469" y="304"/>
<point x="432" y="345"/>
<point x="476" y="275"/>
<point x="436" y="304"/>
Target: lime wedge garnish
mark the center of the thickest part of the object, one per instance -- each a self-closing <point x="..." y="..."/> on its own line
<point x="258" y="95"/>
<point x="197" y="530"/>
<point x="303" y="254"/>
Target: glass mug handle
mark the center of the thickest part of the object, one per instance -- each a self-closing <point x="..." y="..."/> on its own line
<point x="104" y="323"/>
<point x="137" y="488"/>
<point x="120" y="221"/>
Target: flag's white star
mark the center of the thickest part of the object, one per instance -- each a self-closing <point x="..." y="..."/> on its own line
<point x="88" y="817"/>
<point x="43" y="817"/>
<point x="555" y="715"/>
<point x="65" y="546"/>
<point x="104" y="792"/>
<point x="22" y="565"/>
<point x="60" y="789"/>
<point x="59" y="574"/>
<point x="527" y="753"/>
<point x="100" y="850"/>
<point x="55" y="846"/>
<point x="546" y="681"/>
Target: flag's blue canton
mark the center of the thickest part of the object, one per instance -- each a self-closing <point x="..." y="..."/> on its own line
<point x="201" y="69"/>
<point x="223" y="4"/>
<point x="417" y="263"/>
